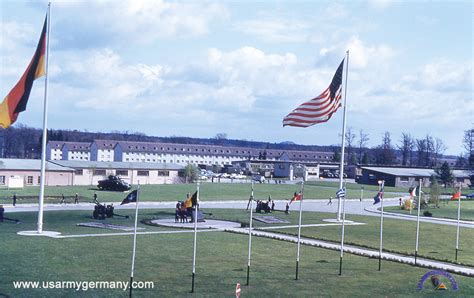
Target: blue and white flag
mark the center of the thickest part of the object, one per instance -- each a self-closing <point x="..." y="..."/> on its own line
<point x="341" y="192"/>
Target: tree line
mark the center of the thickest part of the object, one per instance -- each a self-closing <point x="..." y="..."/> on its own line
<point x="21" y="141"/>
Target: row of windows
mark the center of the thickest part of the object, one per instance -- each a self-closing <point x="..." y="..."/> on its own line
<point x="123" y="173"/>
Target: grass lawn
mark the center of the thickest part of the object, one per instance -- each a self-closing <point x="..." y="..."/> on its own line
<point x="174" y="192"/>
<point x="166" y="259"/>
<point x="447" y="209"/>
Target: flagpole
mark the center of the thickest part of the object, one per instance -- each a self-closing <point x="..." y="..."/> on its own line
<point x="45" y="122"/>
<point x="134" y="241"/>
<point x="299" y="231"/>
<point x="382" y="183"/>
<point x="341" y="168"/>
<point x="250" y="235"/>
<point x="418" y="220"/>
<point x="195" y="238"/>
<point x="457" y="228"/>
<point x="342" y="232"/>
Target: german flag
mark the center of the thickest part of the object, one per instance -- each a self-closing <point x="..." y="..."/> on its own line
<point x="191" y="201"/>
<point x="15" y="102"/>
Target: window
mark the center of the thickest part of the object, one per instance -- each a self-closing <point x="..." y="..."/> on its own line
<point x="79" y="172"/>
<point x="122" y="172"/>
<point x="163" y="173"/>
<point x="29" y="180"/>
<point x="143" y="173"/>
<point x="39" y="179"/>
<point x="404" y="179"/>
<point x="2" y="180"/>
<point x="99" y="172"/>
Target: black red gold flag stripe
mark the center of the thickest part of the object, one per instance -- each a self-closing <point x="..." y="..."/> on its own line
<point x="16" y="100"/>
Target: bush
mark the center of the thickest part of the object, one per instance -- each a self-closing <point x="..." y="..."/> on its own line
<point x="427" y="214"/>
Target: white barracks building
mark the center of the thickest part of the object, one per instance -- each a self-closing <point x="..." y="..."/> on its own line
<point x="181" y="154"/>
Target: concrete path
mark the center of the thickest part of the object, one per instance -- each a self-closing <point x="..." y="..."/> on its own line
<point x="361" y="251"/>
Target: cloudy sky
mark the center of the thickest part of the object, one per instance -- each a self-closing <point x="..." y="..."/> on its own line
<point x="198" y="68"/>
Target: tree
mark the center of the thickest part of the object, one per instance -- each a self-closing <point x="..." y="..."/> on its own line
<point x="421" y="152"/>
<point x="365" y="159"/>
<point x="350" y="137"/>
<point x="337" y="156"/>
<point x="384" y="153"/>
<point x="468" y="143"/>
<point x="434" y="191"/>
<point x="363" y="140"/>
<point x="407" y="144"/>
<point x="191" y="173"/>
<point x="438" y="149"/>
<point x="444" y="174"/>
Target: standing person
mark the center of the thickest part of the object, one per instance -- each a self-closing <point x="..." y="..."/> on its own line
<point x="330" y="201"/>
<point x="400" y="201"/>
<point x="95" y="197"/>
<point x="63" y="199"/>
<point x="76" y="198"/>
<point x="2" y="211"/>
<point x="14" y="199"/>
<point x="287" y="208"/>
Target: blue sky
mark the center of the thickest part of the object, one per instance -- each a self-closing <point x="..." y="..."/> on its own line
<point x="198" y="68"/>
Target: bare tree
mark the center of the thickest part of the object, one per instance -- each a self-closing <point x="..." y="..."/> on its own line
<point x="363" y="141"/>
<point x="407" y="144"/>
<point x="384" y="153"/>
<point x="468" y="143"/>
<point x="438" y="149"/>
<point x="350" y="137"/>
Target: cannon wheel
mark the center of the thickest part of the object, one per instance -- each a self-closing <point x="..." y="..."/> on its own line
<point x="95" y="214"/>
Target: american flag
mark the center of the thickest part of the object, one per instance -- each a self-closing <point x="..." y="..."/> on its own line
<point x="321" y="108"/>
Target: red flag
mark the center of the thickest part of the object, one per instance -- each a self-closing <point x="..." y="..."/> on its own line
<point x="296" y="197"/>
<point x="16" y="100"/>
<point x="456" y="196"/>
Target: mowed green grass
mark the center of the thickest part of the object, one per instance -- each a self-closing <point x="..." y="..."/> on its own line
<point x="174" y="192"/>
<point x="166" y="259"/>
<point x="447" y="209"/>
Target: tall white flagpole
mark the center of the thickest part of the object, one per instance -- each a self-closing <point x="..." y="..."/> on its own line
<point x="45" y="125"/>
<point x="134" y="241"/>
<point x="250" y="235"/>
<point x="381" y="224"/>
<point x="418" y="220"/>
<point x="341" y="168"/>
<point x="195" y="237"/>
<point x="342" y="230"/>
<point x="457" y="227"/>
<point x="299" y="230"/>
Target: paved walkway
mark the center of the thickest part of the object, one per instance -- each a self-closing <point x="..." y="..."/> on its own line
<point x="360" y="251"/>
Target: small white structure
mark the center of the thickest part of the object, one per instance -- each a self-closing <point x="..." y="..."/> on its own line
<point x="15" y="181"/>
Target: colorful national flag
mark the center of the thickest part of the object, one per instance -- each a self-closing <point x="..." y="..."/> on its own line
<point x="456" y="196"/>
<point x="414" y="192"/>
<point x="130" y="198"/>
<point x="296" y="197"/>
<point x="191" y="201"/>
<point x="321" y="108"/>
<point x="16" y="100"/>
<point x="378" y="197"/>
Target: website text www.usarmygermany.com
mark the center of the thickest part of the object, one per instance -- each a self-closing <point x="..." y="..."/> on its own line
<point x="83" y="285"/>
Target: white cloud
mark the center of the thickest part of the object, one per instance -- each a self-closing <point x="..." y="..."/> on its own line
<point x="381" y="4"/>
<point x="140" y="21"/>
<point x="361" y="54"/>
<point x="276" y="30"/>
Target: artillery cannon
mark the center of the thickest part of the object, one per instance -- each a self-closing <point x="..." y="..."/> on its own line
<point x="102" y="211"/>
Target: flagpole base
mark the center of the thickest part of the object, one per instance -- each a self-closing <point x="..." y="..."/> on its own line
<point x="192" y="285"/>
<point x="130" y="286"/>
<point x="52" y="234"/>
<point x="416" y="255"/>
<point x="456" y="255"/>
<point x="380" y="263"/>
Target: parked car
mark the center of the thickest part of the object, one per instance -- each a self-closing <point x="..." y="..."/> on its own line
<point x="113" y="183"/>
<point x="470" y="196"/>
<point x="258" y="178"/>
